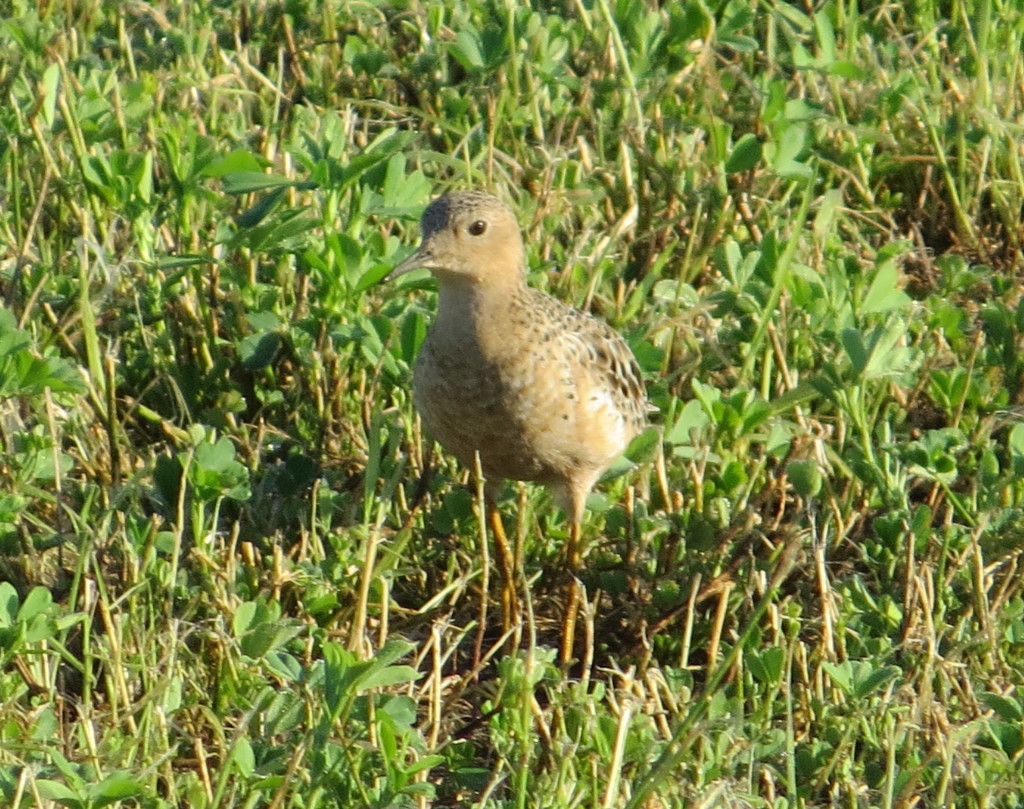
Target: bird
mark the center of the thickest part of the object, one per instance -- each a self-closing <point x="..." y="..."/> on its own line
<point x="513" y="379"/>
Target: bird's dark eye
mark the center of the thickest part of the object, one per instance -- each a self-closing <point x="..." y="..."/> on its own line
<point x="477" y="228"/>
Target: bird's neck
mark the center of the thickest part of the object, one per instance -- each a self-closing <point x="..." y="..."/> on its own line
<point x="472" y="313"/>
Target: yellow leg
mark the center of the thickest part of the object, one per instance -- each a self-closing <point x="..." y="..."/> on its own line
<point x="572" y="594"/>
<point x="506" y="569"/>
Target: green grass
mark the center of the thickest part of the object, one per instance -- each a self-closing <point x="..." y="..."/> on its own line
<point x="234" y="573"/>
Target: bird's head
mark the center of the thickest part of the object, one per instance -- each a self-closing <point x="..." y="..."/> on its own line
<point x="468" y="236"/>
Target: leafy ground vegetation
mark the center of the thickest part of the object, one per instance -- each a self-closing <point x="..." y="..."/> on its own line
<point x="234" y="573"/>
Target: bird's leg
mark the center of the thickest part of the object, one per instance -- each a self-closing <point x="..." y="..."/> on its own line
<point x="572" y="594"/>
<point x="506" y="567"/>
<point x="575" y="500"/>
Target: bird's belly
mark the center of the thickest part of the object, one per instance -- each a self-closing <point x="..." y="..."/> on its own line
<point x="526" y="420"/>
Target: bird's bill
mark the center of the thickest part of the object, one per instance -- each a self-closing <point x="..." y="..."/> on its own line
<point x="420" y="259"/>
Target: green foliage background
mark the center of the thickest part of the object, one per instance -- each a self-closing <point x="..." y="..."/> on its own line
<point x="234" y="573"/>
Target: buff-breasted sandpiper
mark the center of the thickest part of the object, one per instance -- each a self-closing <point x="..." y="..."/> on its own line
<point x="536" y="389"/>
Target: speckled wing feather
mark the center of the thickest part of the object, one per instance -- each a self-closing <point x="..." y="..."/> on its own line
<point x="605" y="355"/>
